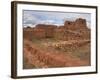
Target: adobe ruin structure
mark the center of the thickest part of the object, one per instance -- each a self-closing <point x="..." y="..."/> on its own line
<point x="71" y="30"/>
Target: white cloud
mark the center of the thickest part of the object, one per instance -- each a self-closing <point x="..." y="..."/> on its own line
<point x="29" y="18"/>
<point x="88" y="25"/>
<point x="57" y="18"/>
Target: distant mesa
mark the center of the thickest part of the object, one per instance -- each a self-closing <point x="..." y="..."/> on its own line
<point x="45" y="26"/>
<point x="28" y="26"/>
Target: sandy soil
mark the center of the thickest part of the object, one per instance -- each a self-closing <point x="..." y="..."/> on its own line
<point x="52" y="55"/>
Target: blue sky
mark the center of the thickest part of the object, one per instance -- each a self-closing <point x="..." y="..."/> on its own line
<point x="32" y="18"/>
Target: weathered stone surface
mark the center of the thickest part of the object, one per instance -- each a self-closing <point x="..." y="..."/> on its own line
<point x="71" y="30"/>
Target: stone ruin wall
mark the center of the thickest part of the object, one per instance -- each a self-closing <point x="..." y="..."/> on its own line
<point x="70" y="31"/>
<point x="74" y="30"/>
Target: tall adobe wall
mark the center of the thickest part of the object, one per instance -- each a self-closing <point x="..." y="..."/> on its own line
<point x="28" y="33"/>
<point x="48" y="30"/>
<point x="80" y="23"/>
<point x="76" y="30"/>
<point x="69" y="25"/>
<point x="77" y="24"/>
<point x="39" y="31"/>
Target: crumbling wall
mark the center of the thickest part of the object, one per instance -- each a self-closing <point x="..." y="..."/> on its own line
<point x="72" y="30"/>
<point x="28" y="33"/>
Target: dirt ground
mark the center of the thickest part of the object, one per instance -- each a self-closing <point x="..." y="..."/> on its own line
<point x="50" y="53"/>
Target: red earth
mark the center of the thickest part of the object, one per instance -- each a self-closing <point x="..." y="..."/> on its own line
<point x="35" y="57"/>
